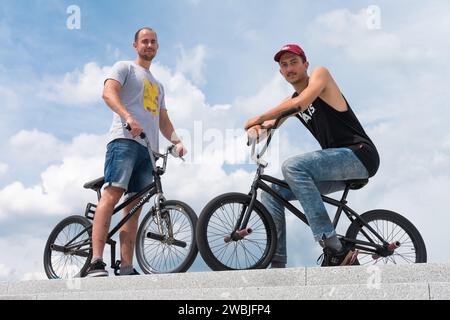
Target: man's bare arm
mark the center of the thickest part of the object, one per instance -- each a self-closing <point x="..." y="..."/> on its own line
<point x="317" y="83"/>
<point x="166" y="127"/>
<point x="167" y="130"/>
<point x="111" y="97"/>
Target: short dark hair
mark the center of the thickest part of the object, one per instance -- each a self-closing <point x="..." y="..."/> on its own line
<point x="136" y="36"/>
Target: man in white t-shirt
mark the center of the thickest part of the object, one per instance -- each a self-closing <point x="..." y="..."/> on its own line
<point x="136" y="98"/>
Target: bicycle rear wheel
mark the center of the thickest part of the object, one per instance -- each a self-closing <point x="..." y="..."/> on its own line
<point x="254" y="250"/>
<point x="168" y="246"/>
<point x="68" y="251"/>
<point x="394" y="229"/>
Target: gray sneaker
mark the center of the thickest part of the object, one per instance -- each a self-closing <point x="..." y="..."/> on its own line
<point x="133" y="273"/>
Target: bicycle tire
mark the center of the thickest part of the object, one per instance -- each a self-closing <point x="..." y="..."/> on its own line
<point x="381" y="220"/>
<point x="184" y="233"/>
<point x="246" y="258"/>
<point x="71" y="270"/>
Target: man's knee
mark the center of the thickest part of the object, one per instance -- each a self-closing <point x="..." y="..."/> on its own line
<point x="111" y="195"/>
<point x="294" y="166"/>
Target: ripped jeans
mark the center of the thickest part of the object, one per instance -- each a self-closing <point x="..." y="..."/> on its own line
<point x="308" y="176"/>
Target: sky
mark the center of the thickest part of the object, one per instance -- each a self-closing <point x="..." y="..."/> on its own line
<point x="215" y="61"/>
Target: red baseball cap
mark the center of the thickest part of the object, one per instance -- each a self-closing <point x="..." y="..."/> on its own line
<point x="295" y="49"/>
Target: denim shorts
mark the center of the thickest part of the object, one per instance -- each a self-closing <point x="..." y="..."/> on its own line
<point x="127" y="166"/>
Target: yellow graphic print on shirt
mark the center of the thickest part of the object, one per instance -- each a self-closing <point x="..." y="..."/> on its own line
<point x="151" y="97"/>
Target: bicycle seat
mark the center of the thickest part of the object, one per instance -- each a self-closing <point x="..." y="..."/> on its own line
<point x="356" y="184"/>
<point x="95" y="185"/>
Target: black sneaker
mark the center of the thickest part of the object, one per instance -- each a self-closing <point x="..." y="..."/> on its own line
<point x="97" y="269"/>
<point x="133" y="273"/>
<point x="333" y="258"/>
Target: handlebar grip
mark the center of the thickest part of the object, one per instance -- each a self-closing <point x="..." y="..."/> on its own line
<point x="128" y="127"/>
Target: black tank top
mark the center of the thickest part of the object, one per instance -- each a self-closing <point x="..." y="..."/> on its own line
<point x="335" y="129"/>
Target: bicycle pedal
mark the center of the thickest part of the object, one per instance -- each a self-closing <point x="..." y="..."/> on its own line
<point x="116" y="268"/>
<point x="89" y="212"/>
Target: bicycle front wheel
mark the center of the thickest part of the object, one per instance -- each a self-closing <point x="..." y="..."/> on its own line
<point x="68" y="251"/>
<point x="408" y="245"/>
<point x="253" y="249"/>
<point x="167" y="245"/>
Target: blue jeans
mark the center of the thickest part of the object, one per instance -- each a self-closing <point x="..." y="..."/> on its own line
<point x="308" y="176"/>
<point x="128" y="166"/>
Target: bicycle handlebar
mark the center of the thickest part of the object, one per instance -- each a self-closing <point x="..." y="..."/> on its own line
<point x="286" y="114"/>
<point x="282" y="115"/>
<point x="152" y="153"/>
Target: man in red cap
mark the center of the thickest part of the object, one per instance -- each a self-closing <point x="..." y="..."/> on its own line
<point x="347" y="153"/>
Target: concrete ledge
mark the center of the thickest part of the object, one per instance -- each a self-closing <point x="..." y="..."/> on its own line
<point x="415" y="291"/>
<point x="225" y="279"/>
<point x="420" y="281"/>
<point x="385" y="274"/>
<point x="440" y="291"/>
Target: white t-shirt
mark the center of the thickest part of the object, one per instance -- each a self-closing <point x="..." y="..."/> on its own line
<point x="143" y="96"/>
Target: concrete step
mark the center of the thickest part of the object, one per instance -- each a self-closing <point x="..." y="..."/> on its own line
<point x="419" y="281"/>
<point x="396" y="291"/>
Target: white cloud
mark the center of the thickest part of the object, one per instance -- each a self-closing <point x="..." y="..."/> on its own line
<point x="59" y="191"/>
<point x="349" y="32"/>
<point x="192" y="63"/>
<point x="21" y="258"/>
<point x="116" y="53"/>
<point x="270" y="95"/>
<point x="82" y="88"/>
<point x="34" y="147"/>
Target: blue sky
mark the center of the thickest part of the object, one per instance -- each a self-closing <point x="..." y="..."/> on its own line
<point x="216" y="63"/>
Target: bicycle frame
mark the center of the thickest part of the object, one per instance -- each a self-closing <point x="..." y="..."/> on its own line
<point x="260" y="182"/>
<point x="82" y="248"/>
<point x="155" y="188"/>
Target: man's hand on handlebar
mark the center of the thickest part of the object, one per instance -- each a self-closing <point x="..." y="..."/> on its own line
<point x="253" y="122"/>
<point x="179" y="149"/>
<point x="259" y="132"/>
<point x="253" y="133"/>
<point x="135" y="126"/>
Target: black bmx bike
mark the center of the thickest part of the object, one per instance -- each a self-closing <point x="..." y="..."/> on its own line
<point x="235" y="231"/>
<point x="165" y="241"/>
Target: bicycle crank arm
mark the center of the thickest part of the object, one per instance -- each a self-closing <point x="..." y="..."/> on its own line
<point x="57" y="248"/>
<point x="64" y="250"/>
<point x="160" y="237"/>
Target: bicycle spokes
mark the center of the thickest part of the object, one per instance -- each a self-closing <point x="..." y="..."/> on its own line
<point x="68" y="260"/>
<point x="399" y="248"/>
<point x="243" y="248"/>
<point x="167" y="239"/>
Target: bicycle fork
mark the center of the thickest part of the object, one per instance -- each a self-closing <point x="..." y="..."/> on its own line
<point x="241" y="230"/>
<point x="164" y="222"/>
